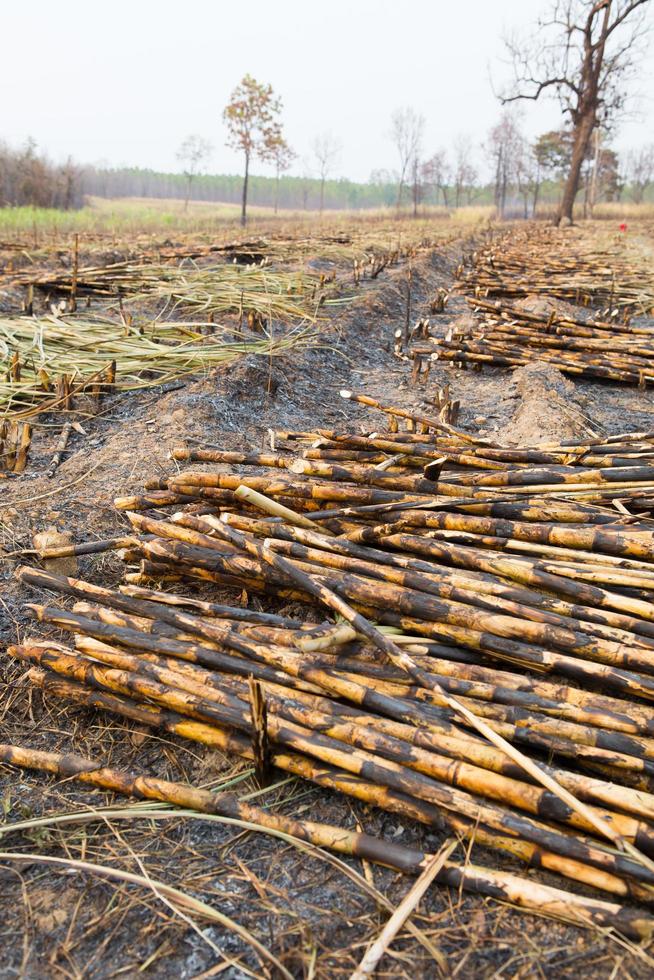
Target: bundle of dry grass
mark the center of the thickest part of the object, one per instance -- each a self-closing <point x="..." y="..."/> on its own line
<point x="48" y="361"/>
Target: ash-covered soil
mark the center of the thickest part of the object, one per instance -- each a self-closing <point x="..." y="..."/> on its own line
<point x="302" y="907"/>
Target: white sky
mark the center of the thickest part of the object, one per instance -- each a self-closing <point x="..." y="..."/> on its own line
<point x="125" y="82"/>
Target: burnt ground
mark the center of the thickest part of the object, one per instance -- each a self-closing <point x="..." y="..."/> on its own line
<point x="302" y="907"/>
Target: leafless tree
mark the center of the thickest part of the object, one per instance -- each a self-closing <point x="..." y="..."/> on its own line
<point x="640" y="171"/>
<point x="527" y="173"/>
<point x="584" y="54"/>
<point x="326" y="150"/>
<point x="504" y="147"/>
<point x="465" y="173"/>
<point x="417" y="183"/>
<point x="305" y="181"/>
<point x="406" y="131"/>
<point x="193" y="154"/>
<point x="436" y="173"/>
<point x="382" y="176"/>
<point x="283" y="157"/>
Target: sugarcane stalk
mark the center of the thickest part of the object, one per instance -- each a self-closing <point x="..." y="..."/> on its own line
<point x="60" y="448"/>
<point x="549" y="628"/>
<point x="264" y="503"/>
<point x="185" y="796"/>
<point x="404" y="414"/>
<point x="609" y="626"/>
<point x="211" y="608"/>
<point x="200" y="455"/>
<point x="89" y="547"/>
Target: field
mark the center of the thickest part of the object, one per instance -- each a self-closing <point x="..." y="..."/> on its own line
<point x="157" y="358"/>
<point x="134" y="218"/>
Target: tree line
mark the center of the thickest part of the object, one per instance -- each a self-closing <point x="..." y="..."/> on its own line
<point x="522" y="176"/>
<point x="289" y="192"/>
<point x="526" y="176"/>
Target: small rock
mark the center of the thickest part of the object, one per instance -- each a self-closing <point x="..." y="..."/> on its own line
<point x="52" y="538"/>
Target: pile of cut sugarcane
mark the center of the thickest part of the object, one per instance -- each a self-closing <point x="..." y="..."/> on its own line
<point x="506" y="336"/>
<point x="488" y="661"/>
<point x="562" y="263"/>
<point x="508" y="333"/>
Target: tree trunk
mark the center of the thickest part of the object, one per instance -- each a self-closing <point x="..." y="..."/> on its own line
<point x="595" y="175"/>
<point x="582" y="136"/>
<point x="399" y="193"/>
<point x="499" y="203"/>
<point x="503" y="189"/>
<point x="188" y="192"/>
<point x="276" y="191"/>
<point x="244" y="202"/>
<point x="322" y="193"/>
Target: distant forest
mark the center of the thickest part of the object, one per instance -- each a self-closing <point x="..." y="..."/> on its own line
<point x="304" y="193"/>
<point x="27" y="177"/>
<point x="296" y="193"/>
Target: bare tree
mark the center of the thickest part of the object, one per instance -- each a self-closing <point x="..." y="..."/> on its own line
<point x="305" y="182"/>
<point x="406" y="131"/>
<point x="436" y="172"/>
<point x="527" y="172"/>
<point x="417" y="186"/>
<point x="465" y="173"/>
<point x="504" y="147"/>
<point x="253" y="127"/>
<point x="584" y="54"/>
<point x="193" y="154"/>
<point x="640" y="171"/>
<point x="326" y="150"/>
<point x="283" y="157"/>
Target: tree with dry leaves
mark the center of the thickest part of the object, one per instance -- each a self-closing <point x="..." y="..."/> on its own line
<point x="253" y="126"/>
<point x="585" y="54"/>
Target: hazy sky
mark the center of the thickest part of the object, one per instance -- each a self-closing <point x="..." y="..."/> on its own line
<point x="125" y="82"/>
